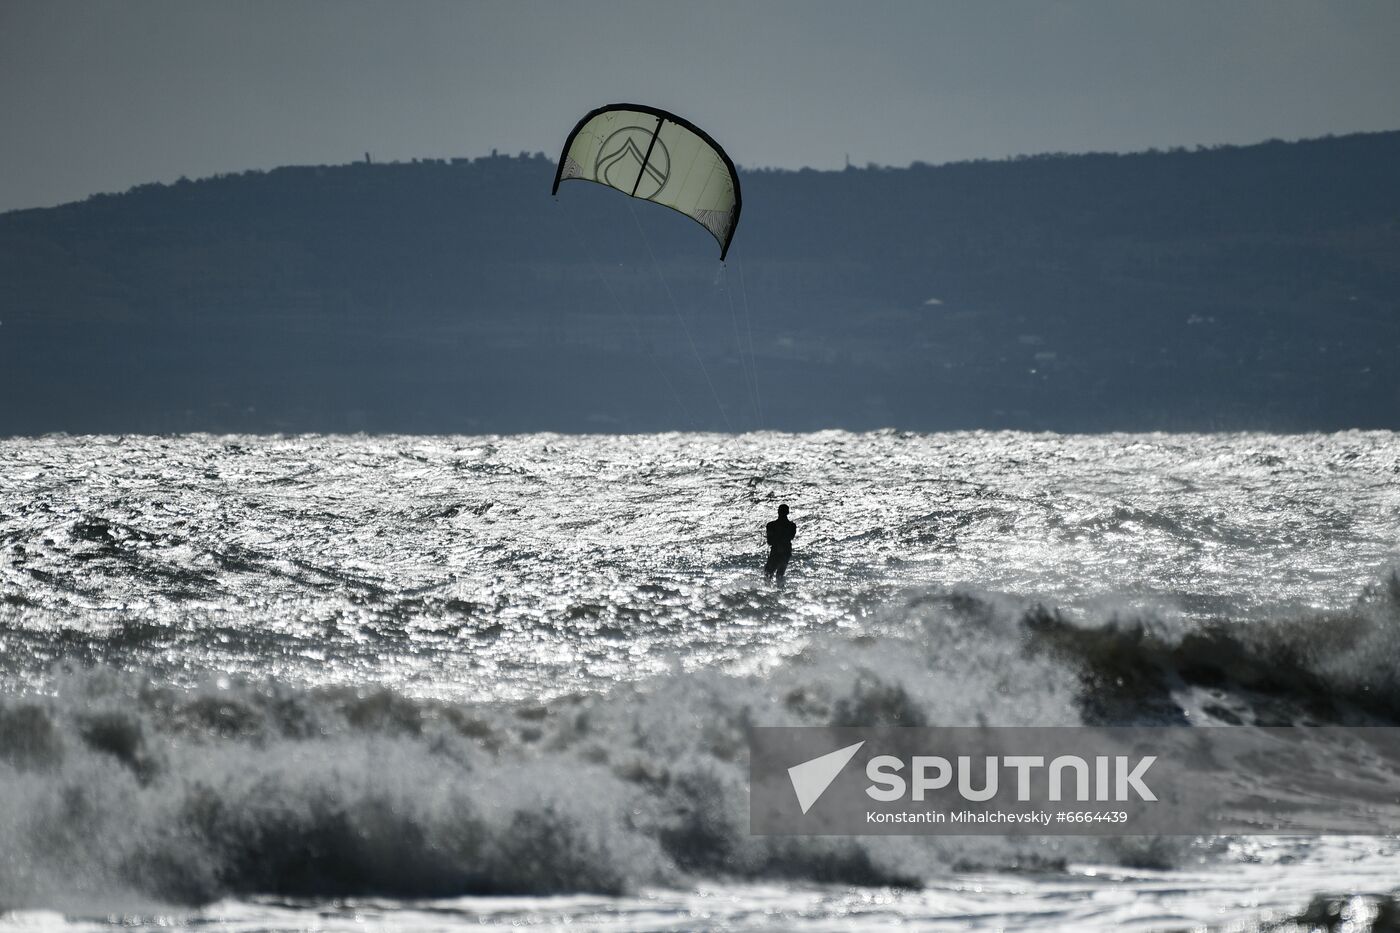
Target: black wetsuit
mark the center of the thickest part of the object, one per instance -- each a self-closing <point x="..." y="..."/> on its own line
<point x="780" y="533"/>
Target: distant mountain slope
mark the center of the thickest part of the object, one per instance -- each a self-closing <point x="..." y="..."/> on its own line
<point x="1236" y="287"/>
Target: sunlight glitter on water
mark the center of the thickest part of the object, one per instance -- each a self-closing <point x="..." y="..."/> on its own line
<point x="514" y="566"/>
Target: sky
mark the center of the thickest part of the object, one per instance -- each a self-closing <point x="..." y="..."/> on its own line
<point x="99" y="95"/>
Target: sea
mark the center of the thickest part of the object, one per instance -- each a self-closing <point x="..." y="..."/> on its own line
<point x="255" y="683"/>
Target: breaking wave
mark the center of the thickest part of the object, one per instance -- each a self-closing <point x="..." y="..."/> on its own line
<point x="120" y="793"/>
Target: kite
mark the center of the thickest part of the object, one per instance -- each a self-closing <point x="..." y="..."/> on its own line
<point x="656" y="156"/>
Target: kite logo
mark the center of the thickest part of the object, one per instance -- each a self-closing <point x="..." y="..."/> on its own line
<point x="623" y="162"/>
<point x="811" y="778"/>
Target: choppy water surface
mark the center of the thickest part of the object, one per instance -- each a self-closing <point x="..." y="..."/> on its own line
<point x="525" y="566"/>
<point x="292" y="677"/>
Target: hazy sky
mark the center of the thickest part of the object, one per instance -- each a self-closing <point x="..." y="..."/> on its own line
<point x="98" y="96"/>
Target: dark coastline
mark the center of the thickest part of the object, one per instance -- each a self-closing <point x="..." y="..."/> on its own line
<point x="1233" y="288"/>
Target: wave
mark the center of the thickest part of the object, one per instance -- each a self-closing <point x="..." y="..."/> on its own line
<point x="119" y="794"/>
<point x="1324" y="667"/>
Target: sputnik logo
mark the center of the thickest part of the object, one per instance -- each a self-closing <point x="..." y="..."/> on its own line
<point x="811" y="778"/>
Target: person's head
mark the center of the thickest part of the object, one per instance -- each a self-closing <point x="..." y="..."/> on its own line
<point x="783" y="510"/>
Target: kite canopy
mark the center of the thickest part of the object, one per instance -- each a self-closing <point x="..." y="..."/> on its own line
<point x="656" y="156"/>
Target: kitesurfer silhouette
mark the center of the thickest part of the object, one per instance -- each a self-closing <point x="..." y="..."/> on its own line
<point x="780" y="533"/>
